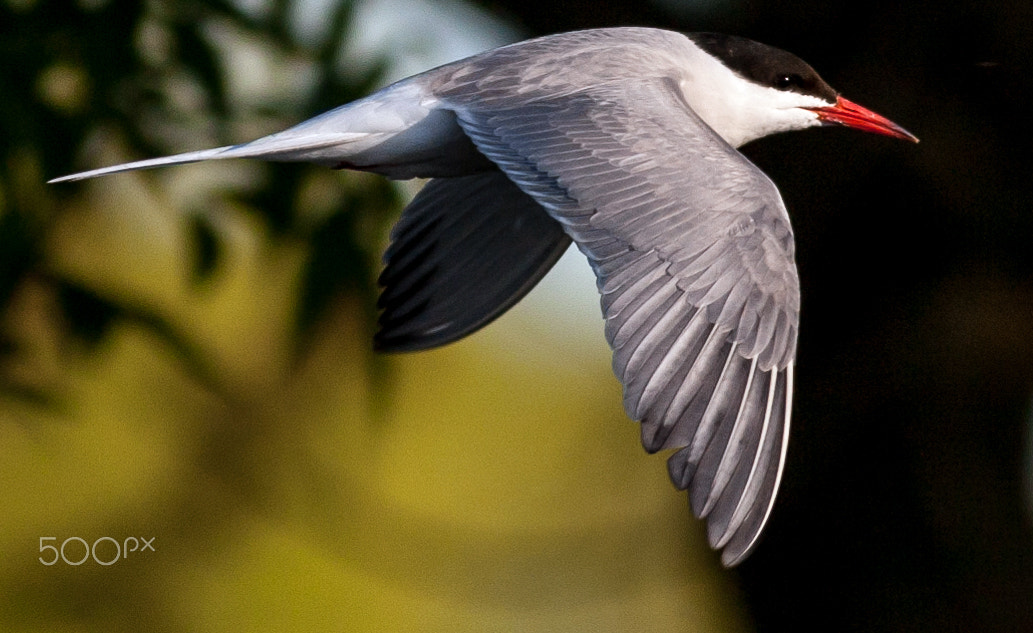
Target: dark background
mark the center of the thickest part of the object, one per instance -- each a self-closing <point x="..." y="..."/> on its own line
<point x="905" y="504"/>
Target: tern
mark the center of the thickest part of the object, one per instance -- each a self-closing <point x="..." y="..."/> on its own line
<point x="623" y="141"/>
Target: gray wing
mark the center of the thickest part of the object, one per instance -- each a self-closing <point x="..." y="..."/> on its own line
<point x="465" y="250"/>
<point x="693" y="253"/>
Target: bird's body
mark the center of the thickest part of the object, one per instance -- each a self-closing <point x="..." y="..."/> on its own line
<point x="621" y="140"/>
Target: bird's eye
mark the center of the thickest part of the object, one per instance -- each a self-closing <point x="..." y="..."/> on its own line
<point x="784" y="82"/>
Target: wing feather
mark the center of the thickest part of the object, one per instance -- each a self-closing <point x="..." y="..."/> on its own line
<point x="693" y="253"/>
<point x="438" y="285"/>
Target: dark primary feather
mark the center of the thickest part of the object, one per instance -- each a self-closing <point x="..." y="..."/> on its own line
<point x="464" y="251"/>
<point x="693" y="252"/>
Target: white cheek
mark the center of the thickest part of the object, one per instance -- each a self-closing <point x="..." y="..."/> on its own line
<point x="741" y="111"/>
<point x="798" y="119"/>
<point x="776" y="111"/>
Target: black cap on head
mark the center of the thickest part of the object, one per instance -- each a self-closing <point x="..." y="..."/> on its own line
<point x="765" y="65"/>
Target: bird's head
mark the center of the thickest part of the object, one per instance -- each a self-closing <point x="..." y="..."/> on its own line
<point x="746" y="90"/>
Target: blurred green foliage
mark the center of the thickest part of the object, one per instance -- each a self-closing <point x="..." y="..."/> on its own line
<point x="76" y="75"/>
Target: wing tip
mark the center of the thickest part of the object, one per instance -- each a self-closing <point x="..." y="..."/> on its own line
<point x="734" y="551"/>
<point x="732" y="557"/>
<point x="738" y="531"/>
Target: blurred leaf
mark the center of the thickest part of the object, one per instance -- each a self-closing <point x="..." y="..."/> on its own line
<point x="338" y="264"/>
<point x="18" y="251"/>
<point x="88" y="315"/>
<point x="91" y="317"/>
<point x="206" y="248"/>
<point x="7" y="345"/>
<point x="276" y="199"/>
<point x="198" y="55"/>
<point x="28" y="394"/>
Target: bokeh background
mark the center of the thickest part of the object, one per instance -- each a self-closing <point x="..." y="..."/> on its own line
<point x="185" y="354"/>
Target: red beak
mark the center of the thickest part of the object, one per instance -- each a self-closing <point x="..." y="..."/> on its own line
<point x="852" y="115"/>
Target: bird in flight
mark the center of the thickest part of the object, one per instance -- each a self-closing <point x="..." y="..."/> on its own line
<point x="623" y="141"/>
